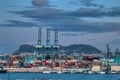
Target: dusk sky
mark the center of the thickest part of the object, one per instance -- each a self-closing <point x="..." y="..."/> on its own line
<point x="94" y="22"/>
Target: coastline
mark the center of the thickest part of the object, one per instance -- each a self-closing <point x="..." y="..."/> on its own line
<point x="56" y="70"/>
<point x="40" y="70"/>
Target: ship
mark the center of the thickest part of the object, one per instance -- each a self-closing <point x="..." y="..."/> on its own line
<point x="2" y="70"/>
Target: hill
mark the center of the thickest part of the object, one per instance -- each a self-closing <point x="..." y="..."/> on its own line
<point x="25" y="48"/>
<point x="77" y="48"/>
<point x="80" y="48"/>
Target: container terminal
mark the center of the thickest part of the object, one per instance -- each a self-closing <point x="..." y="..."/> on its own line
<point x="48" y="59"/>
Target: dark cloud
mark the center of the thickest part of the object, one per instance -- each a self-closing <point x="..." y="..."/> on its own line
<point x="70" y="20"/>
<point x="95" y="12"/>
<point x="73" y="3"/>
<point x="84" y="26"/>
<point x="45" y="13"/>
<point x="114" y="11"/>
<point x="75" y="25"/>
<point x="40" y="3"/>
<point x="87" y="12"/>
<point x="89" y="3"/>
<point x="86" y="2"/>
<point x="15" y="23"/>
<point x="51" y="13"/>
<point x="71" y="34"/>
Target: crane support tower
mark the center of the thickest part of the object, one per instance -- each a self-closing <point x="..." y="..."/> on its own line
<point x="56" y="38"/>
<point x="56" y="46"/>
<point x="47" y="47"/>
<point x="39" y="36"/>
<point x="108" y="51"/>
<point x="117" y="57"/>
<point x="48" y="38"/>
<point x="39" y="42"/>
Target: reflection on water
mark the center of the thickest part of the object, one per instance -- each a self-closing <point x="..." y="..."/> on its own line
<point x="40" y="76"/>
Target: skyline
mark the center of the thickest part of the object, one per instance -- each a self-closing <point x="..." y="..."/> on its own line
<point x="94" y="22"/>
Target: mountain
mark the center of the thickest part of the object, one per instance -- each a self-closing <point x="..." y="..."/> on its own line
<point x="80" y="48"/>
<point x="25" y="48"/>
<point x="75" y="48"/>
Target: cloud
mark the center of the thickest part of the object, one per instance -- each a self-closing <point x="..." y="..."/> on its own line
<point x="52" y="13"/>
<point x="74" y="3"/>
<point x="84" y="26"/>
<point x="44" y="13"/>
<point x="71" y="20"/>
<point x="89" y="3"/>
<point x="40" y="3"/>
<point x="87" y="12"/>
<point x="15" y="23"/>
<point x="96" y="12"/>
<point x="86" y="2"/>
<point x="114" y="11"/>
<point x="71" y="34"/>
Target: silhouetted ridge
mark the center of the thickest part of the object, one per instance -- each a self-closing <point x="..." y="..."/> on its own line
<point x="75" y="48"/>
<point x="25" y="48"/>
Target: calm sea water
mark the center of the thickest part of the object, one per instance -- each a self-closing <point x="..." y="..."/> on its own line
<point x="40" y="76"/>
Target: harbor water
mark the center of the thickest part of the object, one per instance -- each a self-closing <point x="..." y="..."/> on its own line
<point x="41" y="76"/>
